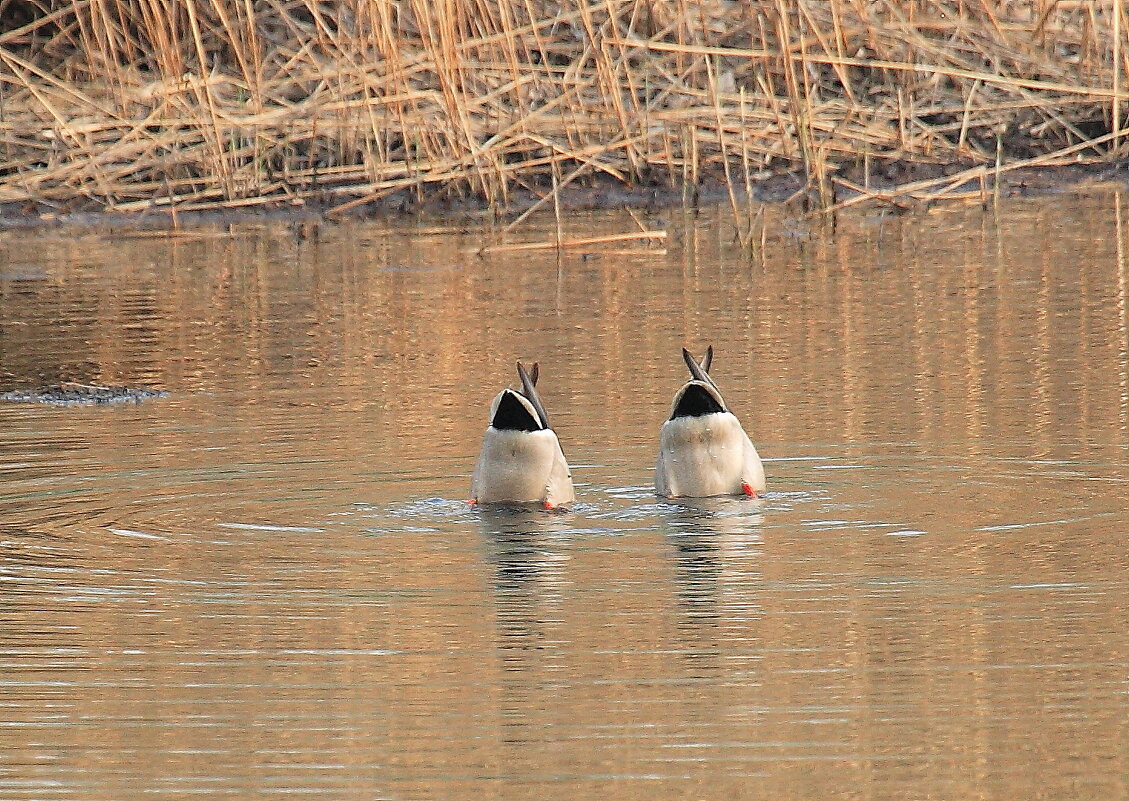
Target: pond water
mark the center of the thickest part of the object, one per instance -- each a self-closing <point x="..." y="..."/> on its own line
<point x="268" y="582"/>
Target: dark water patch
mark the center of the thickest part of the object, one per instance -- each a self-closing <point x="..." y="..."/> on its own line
<point x="74" y="394"/>
<point x="22" y="272"/>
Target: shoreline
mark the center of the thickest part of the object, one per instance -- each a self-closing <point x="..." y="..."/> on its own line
<point x="602" y="193"/>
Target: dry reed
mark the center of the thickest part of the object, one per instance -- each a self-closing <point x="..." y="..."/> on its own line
<point x="131" y="105"/>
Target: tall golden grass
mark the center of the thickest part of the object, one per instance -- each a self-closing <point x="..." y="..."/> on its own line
<point x="195" y="104"/>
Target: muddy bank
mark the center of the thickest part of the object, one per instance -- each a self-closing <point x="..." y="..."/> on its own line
<point x="900" y="187"/>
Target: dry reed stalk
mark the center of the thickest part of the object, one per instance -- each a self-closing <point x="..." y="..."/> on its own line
<point x="926" y="191"/>
<point x="1116" y="110"/>
<point x="649" y="252"/>
<point x="574" y="243"/>
<point x="557" y="203"/>
<point x="711" y="73"/>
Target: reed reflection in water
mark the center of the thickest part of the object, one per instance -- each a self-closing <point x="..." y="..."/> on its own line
<point x="269" y="583"/>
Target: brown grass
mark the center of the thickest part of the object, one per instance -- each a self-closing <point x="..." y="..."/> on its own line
<point x="130" y="105"/>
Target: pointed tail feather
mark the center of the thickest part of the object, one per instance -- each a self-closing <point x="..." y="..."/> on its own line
<point x="529" y="389"/>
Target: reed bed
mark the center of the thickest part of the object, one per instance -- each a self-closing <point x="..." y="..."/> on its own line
<point x="133" y="105"/>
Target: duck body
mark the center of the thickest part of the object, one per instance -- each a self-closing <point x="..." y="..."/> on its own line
<point x="708" y="455"/>
<point x="703" y="449"/>
<point x="521" y="460"/>
<point x="521" y="467"/>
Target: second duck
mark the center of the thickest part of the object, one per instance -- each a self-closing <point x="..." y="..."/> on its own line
<point x="703" y="450"/>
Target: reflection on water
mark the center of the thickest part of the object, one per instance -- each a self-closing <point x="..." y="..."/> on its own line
<point x="269" y="582"/>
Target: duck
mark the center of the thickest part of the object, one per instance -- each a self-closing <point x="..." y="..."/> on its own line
<point x="521" y="461"/>
<point x="703" y="450"/>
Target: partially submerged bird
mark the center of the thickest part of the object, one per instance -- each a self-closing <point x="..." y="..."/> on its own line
<point x="521" y="461"/>
<point x="703" y="450"/>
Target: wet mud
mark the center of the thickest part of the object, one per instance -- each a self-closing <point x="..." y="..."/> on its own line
<point x="603" y="193"/>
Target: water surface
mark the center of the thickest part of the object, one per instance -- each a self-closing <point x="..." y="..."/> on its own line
<point x="268" y="582"/>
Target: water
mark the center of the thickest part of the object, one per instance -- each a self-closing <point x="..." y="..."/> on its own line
<point x="268" y="582"/>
